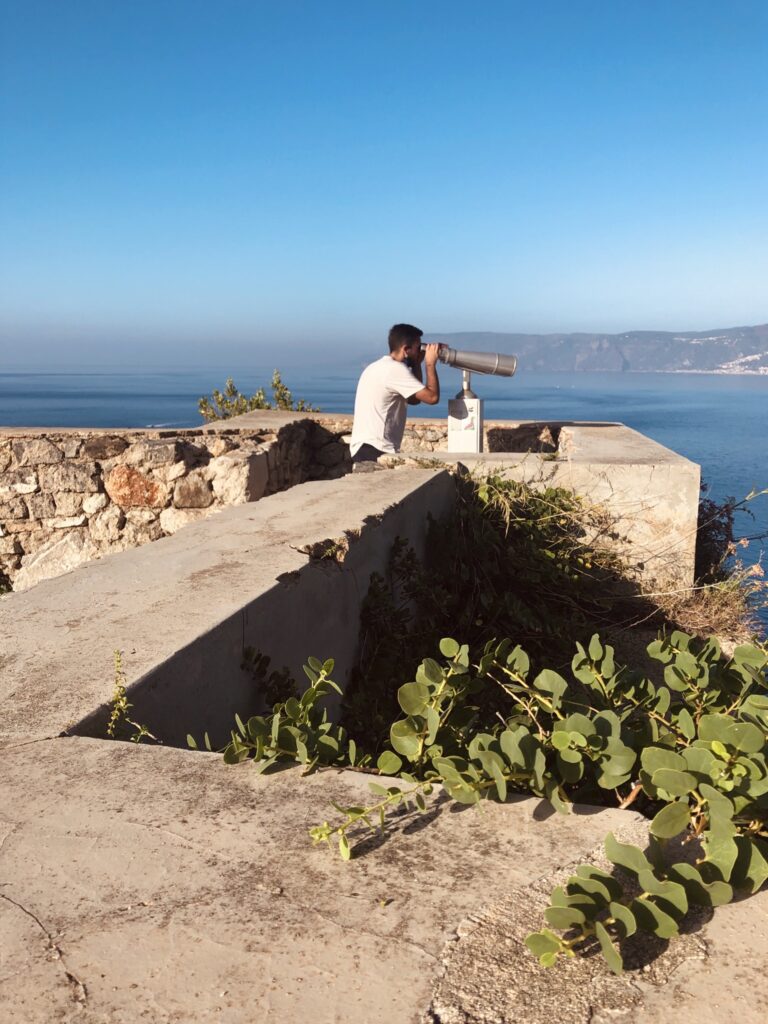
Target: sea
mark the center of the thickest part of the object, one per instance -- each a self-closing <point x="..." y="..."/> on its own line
<point x="719" y="421"/>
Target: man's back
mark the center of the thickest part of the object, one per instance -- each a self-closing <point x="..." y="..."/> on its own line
<point x="380" y="405"/>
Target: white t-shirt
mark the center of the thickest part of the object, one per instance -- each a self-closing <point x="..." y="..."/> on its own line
<point x="380" y="405"/>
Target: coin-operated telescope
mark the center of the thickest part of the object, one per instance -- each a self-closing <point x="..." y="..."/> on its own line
<point x="465" y="411"/>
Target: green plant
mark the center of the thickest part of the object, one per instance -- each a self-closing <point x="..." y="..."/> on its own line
<point x="297" y="730"/>
<point x="689" y="751"/>
<point x="695" y="748"/>
<point x="230" y="402"/>
<point x="119" y="719"/>
<point x="701" y="765"/>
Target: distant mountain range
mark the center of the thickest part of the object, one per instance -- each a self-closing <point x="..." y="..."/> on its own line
<point x="724" y="350"/>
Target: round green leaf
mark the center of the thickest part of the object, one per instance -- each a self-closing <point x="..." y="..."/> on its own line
<point x="624" y="920"/>
<point x="543" y="942"/>
<point x="595" y="648"/>
<point x="564" y="918"/>
<point x="389" y="763"/>
<point x="651" y="919"/>
<point x="432" y="670"/>
<point x="671" y="820"/>
<point x="404" y="739"/>
<point x="448" y="647"/>
<point x="674" y="782"/>
<point x="625" y="855"/>
<point x="671" y="896"/>
<point x="413" y="698"/>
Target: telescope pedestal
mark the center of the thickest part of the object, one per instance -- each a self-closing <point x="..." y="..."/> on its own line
<point x="465" y="420"/>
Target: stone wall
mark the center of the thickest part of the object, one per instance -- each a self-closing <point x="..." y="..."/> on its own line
<point x="498" y="436"/>
<point x="431" y="435"/>
<point x="67" y="497"/>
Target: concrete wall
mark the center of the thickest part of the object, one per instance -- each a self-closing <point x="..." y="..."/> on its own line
<point x="182" y="609"/>
<point x="645" y="497"/>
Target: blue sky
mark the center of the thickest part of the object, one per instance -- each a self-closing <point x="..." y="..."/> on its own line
<point x="182" y="177"/>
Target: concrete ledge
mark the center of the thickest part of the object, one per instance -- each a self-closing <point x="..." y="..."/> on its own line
<point x="651" y="494"/>
<point x="182" y="609"/>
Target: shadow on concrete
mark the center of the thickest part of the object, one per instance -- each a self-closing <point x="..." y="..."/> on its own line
<point x="402" y="821"/>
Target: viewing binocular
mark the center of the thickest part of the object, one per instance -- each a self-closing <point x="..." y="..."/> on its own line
<point x="496" y="363"/>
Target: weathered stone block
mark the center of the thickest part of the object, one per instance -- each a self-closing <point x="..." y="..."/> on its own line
<point x="129" y="488"/>
<point x="36" y="451"/>
<point x="104" y="446"/>
<point x="18" y="481"/>
<point x="239" y="477"/>
<point x="220" y="446"/>
<point x="137" y="532"/>
<point x="104" y="527"/>
<point x="13" y="508"/>
<point x="140" y="516"/>
<point x="40" y="506"/>
<point x="57" y="557"/>
<point x="69" y="503"/>
<point x="168" y="474"/>
<point x="5" y="455"/>
<point x="173" y="519"/>
<point x="70" y="476"/>
<point x="95" y="503"/>
<point x="21" y="525"/>
<point x="70" y="446"/>
<point x="193" y="491"/>
<point x="153" y="452"/>
<point x="65" y="522"/>
<point x="9" y="546"/>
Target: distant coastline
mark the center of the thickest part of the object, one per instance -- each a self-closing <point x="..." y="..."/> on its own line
<point x="732" y="351"/>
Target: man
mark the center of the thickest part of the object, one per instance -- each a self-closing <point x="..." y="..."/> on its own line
<point x="384" y="389"/>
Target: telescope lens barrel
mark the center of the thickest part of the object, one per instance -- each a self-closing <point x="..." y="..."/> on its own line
<point x="496" y="363"/>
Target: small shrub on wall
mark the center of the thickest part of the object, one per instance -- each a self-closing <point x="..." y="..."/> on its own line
<point x="230" y="402"/>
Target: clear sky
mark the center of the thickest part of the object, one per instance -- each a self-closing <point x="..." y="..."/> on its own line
<point x="185" y="176"/>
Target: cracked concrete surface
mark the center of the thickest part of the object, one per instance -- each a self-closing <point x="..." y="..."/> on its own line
<point x="175" y="888"/>
<point x="154" y="884"/>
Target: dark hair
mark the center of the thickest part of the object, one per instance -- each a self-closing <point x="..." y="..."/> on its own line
<point x="401" y="334"/>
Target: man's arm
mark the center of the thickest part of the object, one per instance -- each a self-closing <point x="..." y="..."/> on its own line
<point x="430" y="394"/>
<point x="416" y="371"/>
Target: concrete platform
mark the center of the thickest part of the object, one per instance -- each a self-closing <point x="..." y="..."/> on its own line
<point x="143" y="884"/>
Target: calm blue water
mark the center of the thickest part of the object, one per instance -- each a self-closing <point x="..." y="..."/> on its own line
<point x="721" y="422"/>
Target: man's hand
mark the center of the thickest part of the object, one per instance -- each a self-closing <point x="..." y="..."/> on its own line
<point x="430" y="394"/>
<point x="429" y="354"/>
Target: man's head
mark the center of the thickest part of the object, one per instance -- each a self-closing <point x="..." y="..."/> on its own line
<point x="405" y="342"/>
